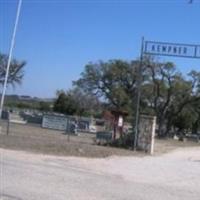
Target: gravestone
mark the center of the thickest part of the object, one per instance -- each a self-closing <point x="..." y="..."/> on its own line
<point x="146" y="133"/>
<point x="103" y="137"/>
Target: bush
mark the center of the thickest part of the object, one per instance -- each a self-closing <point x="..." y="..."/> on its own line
<point x="126" y="141"/>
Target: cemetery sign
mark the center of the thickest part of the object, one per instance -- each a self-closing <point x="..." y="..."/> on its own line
<point x="171" y="49"/>
<point x="54" y="122"/>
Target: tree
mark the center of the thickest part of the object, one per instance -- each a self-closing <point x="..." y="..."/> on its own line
<point x="196" y="122"/>
<point x="185" y="119"/>
<point x="87" y="104"/>
<point x="158" y="90"/>
<point x="16" y="71"/>
<point x="76" y="102"/>
<point x="64" y="103"/>
<point x="44" y="106"/>
<point x="168" y="93"/>
<point x="113" y="81"/>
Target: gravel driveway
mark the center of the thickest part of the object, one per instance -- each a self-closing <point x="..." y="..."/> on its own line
<point x="172" y="176"/>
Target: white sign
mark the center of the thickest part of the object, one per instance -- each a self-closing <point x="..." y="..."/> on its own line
<point x="172" y="49"/>
<point x="120" y="121"/>
<point x="54" y="122"/>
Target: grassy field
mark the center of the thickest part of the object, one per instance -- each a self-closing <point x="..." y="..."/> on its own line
<point x="33" y="138"/>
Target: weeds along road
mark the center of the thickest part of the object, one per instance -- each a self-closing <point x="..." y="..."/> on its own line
<point x="27" y="176"/>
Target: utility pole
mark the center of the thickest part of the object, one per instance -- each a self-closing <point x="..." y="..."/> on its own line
<point x="5" y="86"/>
<point x="10" y="56"/>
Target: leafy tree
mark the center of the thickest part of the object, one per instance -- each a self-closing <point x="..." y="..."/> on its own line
<point x="44" y="106"/>
<point x="159" y="89"/>
<point x="186" y="98"/>
<point x="64" y="104"/>
<point x="87" y="104"/>
<point x="189" y="117"/>
<point x="113" y="81"/>
<point x="185" y="119"/>
<point x="167" y="92"/>
<point x="75" y="101"/>
<point x="196" y="122"/>
<point x="16" y="71"/>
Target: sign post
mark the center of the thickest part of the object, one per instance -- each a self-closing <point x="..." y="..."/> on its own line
<point x="139" y="82"/>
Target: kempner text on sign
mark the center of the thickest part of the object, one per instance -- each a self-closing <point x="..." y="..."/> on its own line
<point x="172" y="49"/>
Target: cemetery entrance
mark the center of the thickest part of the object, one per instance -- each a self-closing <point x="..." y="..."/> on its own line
<point x="154" y="48"/>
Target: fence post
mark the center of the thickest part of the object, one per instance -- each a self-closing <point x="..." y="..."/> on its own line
<point x="68" y="131"/>
<point x="8" y="124"/>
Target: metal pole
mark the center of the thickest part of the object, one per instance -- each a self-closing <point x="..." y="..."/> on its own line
<point x="8" y="124"/>
<point x="139" y="82"/>
<point x="68" y="130"/>
<point x="10" y="56"/>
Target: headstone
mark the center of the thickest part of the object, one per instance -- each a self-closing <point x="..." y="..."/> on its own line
<point x="147" y="133"/>
<point x="16" y="118"/>
<point x="103" y="136"/>
<point x="176" y="137"/>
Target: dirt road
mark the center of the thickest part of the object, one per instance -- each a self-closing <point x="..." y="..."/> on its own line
<point x="27" y="176"/>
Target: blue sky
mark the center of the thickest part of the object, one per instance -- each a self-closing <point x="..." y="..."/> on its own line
<point x="58" y="38"/>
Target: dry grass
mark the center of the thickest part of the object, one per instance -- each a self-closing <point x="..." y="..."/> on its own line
<point x="36" y="139"/>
